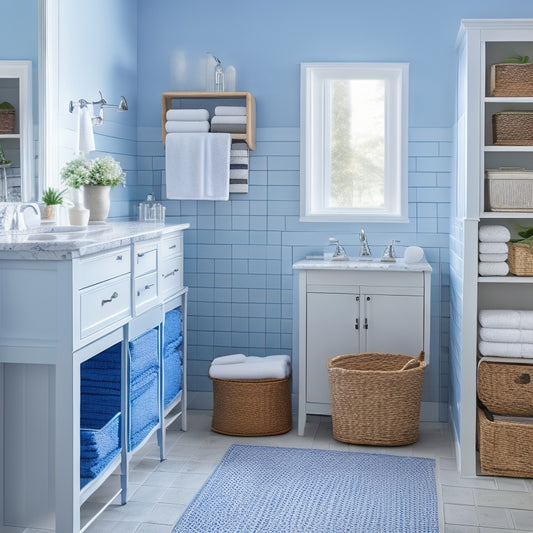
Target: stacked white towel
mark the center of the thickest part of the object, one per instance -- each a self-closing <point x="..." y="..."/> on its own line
<point x="229" y="119"/>
<point x="493" y="250"/>
<point x="506" y="333"/>
<point x="187" y="120"/>
<point x="238" y="366"/>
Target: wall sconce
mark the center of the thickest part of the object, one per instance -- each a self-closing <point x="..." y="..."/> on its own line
<point x="98" y="118"/>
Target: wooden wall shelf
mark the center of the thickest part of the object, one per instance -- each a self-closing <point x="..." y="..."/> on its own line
<point x="193" y="99"/>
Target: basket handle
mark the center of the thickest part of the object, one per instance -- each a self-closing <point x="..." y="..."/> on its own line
<point x="414" y="362"/>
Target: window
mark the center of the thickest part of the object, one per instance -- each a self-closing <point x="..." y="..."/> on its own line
<point x="354" y="142"/>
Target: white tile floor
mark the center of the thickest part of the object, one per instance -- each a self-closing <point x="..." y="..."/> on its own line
<point x="160" y="491"/>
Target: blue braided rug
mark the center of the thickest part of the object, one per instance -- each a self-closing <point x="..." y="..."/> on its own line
<point x="262" y="489"/>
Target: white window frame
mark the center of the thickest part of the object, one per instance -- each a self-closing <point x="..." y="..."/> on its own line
<point x="314" y="146"/>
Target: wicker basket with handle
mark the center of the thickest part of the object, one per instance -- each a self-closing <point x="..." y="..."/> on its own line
<point x="512" y="128"/>
<point x="506" y="388"/>
<point x="520" y="258"/>
<point x="7" y="120"/>
<point x="375" y="397"/>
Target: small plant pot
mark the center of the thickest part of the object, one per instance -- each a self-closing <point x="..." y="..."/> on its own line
<point x="78" y="216"/>
<point x="49" y="212"/>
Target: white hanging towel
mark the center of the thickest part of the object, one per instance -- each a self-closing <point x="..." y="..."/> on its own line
<point x="197" y="166"/>
<point x="85" y="132"/>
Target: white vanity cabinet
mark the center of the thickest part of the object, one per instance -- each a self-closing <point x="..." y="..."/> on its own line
<point x="350" y="310"/>
<point x="60" y="308"/>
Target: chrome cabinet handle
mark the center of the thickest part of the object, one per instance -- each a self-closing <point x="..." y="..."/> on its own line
<point x="173" y="246"/>
<point x="118" y="258"/>
<point x="146" y="287"/>
<point x="366" y="323"/>
<point x="170" y="273"/>
<point x="356" y="323"/>
<point x="140" y="254"/>
<point x="113" y="297"/>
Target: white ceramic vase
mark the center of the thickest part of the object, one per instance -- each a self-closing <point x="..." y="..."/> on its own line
<point x="96" y="199"/>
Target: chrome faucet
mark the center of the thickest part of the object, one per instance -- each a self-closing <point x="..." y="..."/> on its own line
<point x="364" y="253"/>
<point x="340" y="253"/>
<point x="17" y="222"/>
<point x="389" y="255"/>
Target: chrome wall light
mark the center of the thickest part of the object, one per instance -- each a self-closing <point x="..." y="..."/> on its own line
<point x="98" y="107"/>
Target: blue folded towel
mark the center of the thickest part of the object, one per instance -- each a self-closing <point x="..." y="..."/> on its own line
<point x="143" y="353"/>
<point x="144" y="410"/>
<point x="173" y="326"/>
<point x="172" y="348"/>
<point x="173" y="372"/>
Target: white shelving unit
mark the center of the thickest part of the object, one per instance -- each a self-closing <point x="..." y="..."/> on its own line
<point x="481" y="43"/>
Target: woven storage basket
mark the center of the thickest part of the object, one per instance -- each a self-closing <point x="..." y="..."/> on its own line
<point x="520" y="258"/>
<point x="505" y="448"/>
<point x="510" y="79"/>
<point x="512" y="128"/>
<point x="506" y="388"/>
<point x="7" y="120"/>
<point x="252" y="407"/>
<point x="375" y="397"/>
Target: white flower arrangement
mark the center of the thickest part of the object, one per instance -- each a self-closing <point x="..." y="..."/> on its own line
<point x="98" y="171"/>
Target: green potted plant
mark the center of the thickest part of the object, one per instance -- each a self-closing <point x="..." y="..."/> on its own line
<point x="97" y="177"/>
<point x="52" y="198"/>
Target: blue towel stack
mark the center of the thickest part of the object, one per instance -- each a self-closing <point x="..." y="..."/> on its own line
<point x="172" y="355"/>
<point x="99" y="412"/>
<point x="143" y="387"/>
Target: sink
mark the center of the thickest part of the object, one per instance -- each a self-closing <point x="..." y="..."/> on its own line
<point x="72" y="229"/>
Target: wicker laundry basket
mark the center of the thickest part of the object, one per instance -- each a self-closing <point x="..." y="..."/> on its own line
<point x="375" y="397"/>
<point x="512" y="128"/>
<point x="520" y="258"/>
<point x="7" y="120"/>
<point x="511" y="79"/>
<point x="252" y="407"/>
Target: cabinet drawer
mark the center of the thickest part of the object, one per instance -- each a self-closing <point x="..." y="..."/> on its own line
<point x="144" y="259"/>
<point x="102" y="267"/>
<point x="170" y="276"/>
<point x="104" y="304"/>
<point x="171" y="245"/>
<point x="145" y="292"/>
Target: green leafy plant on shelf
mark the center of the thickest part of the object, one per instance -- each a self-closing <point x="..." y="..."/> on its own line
<point x="52" y="196"/>
<point x="517" y="59"/>
<point x="6" y="105"/>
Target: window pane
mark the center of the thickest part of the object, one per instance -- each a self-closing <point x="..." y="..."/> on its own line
<point x="357" y="141"/>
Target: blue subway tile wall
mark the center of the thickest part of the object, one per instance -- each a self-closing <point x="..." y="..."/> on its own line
<point x="239" y="254"/>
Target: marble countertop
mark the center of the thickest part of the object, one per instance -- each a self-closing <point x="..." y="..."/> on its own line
<point x="356" y="264"/>
<point x="61" y="243"/>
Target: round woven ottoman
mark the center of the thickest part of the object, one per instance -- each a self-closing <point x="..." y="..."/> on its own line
<point x="252" y="407"/>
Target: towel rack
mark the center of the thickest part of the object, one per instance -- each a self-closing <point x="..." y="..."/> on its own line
<point x="99" y="118"/>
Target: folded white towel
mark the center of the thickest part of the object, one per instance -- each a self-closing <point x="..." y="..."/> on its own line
<point x="228" y="119"/>
<point x="493" y="248"/>
<point x="230" y="110"/>
<point x="493" y="269"/>
<point x="229" y="359"/>
<point x="187" y="114"/>
<point x="506" y="349"/>
<point x="506" y="335"/>
<point x="197" y="166"/>
<point x="493" y="258"/>
<point x="506" y="319"/>
<point x="184" y="126"/>
<point x="85" y="131"/>
<point x="283" y="358"/>
<point x="258" y="370"/>
<point x="494" y="234"/>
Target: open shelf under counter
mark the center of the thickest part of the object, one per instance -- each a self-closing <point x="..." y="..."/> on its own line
<point x="506" y="214"/>
<point x="215" y="98"/>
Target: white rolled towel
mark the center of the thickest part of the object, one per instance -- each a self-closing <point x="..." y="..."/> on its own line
<point x="493" y="248"/>
<point x="493" y="269"/>
<point x="506" y="349"/>
<point x="188" y="114"/>
<point x="493" y="258"/>
<point x="253" y="359"/>
<point x="494" y="234"/>
<point x="230" y="110"/>
<point x="259" y="370"/>
<point x="506" y="319"/>
<point x="228" y="119"/>
<point x="186" y="126"/>
<point x="229" y="359"/>
<point x="506" y="335"/>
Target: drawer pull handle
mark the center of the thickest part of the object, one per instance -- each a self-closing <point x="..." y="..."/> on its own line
<point x="113" y="297"/>
<point x="119" y="258"/>
<point x="170" y="273"/>
<point x="366" y="324"/>
<point x="356" y="323"/>
<point x="146" y="287"/>
<point x="140" y="254"/>
<point x="172" y="247"/>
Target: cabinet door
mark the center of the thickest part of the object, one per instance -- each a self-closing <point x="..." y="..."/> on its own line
<point x="331" y="330"/>
<point x="393" y="323"/>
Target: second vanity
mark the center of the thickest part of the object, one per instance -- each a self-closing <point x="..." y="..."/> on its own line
<point x="354" y="307"/>
<point x="66" y="298"/>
